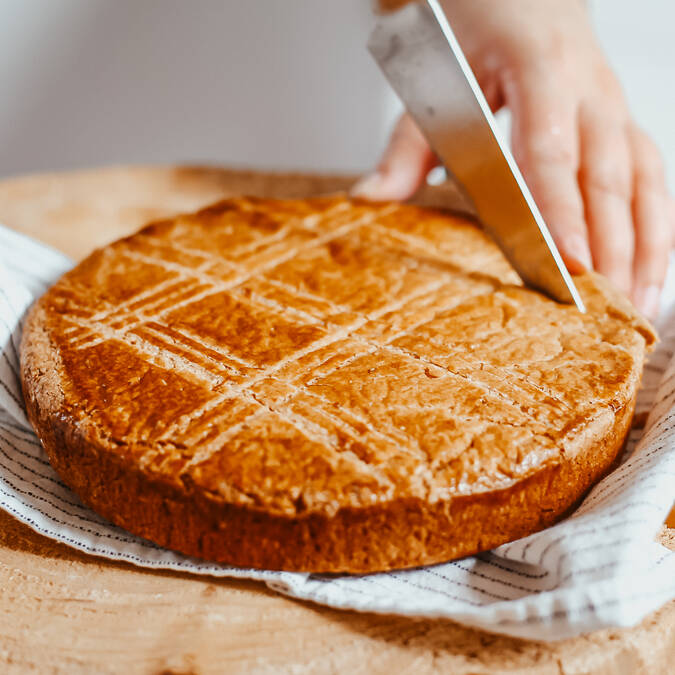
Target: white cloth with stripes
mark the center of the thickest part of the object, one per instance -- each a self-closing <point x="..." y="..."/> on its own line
<point x="601" y="567"/>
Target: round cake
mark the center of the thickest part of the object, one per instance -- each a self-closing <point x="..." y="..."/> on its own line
<point x="326" y="385"/>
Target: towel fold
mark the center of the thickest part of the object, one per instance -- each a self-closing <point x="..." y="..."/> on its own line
<point x="599" y="568"/>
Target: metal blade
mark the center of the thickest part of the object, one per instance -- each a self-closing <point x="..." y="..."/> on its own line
<point x="420" y="56"/>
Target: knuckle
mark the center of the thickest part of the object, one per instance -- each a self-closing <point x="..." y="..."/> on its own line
<point x="654" y="244"/>
<point x="608" y="177"/>
<point x="620" y="246"/>
<point x="562" y="213"/>
<point x="648" y="160"/>
<point x="554" y="55"/>
<point x="622" y="258"/>
<point x="546" y="148"/>
<point x="608" y="85"/>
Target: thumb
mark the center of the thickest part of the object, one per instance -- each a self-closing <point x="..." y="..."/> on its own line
<point x="403" y="167"/>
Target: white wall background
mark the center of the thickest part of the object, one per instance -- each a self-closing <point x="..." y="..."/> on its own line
<point x="639" y="38"/>
<point x="277" y="83"/>
<point x="266" y="83"/>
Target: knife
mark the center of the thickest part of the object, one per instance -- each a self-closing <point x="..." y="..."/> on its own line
<point x="420" y="56"/>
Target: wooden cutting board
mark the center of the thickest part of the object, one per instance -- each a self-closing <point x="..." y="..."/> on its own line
<point x="64" y="612"/>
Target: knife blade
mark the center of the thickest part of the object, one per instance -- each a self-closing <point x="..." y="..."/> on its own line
<point x="420" y="56"/>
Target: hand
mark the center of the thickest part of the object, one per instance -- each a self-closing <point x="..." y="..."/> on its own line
<point x="597" y="179"/>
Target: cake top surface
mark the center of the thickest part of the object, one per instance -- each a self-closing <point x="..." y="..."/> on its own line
<point x="306" y="355"/>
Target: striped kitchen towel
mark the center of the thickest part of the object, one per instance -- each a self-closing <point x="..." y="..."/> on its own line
<point x="600" y="567"/>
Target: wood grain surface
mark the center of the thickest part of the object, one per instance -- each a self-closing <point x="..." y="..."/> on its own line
<point x="64" y="612"/>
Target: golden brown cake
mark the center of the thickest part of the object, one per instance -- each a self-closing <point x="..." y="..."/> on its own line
<point x="326" y="385"/>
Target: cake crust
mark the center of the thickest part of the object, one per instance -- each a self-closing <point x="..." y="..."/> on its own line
<point x="326" y="385"/>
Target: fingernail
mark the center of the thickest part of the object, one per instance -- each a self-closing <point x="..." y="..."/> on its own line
<point x="369" y="187"/>
<point x="577" y="249"/>
<point x="647" y="299"/>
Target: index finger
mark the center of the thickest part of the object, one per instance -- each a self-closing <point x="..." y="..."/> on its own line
<point x="546" y="147"/>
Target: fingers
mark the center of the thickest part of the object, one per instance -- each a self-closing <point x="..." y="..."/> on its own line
<point x="598" y="181"/>
<point x="403" y="168"/>
<point x="627" y="206"/>
<point x="653" y="227"/>
<point x="606" y="181"/>
<point x="545" y="145"/>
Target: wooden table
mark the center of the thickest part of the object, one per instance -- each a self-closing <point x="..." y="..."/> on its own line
<point x="64" y="612"/>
